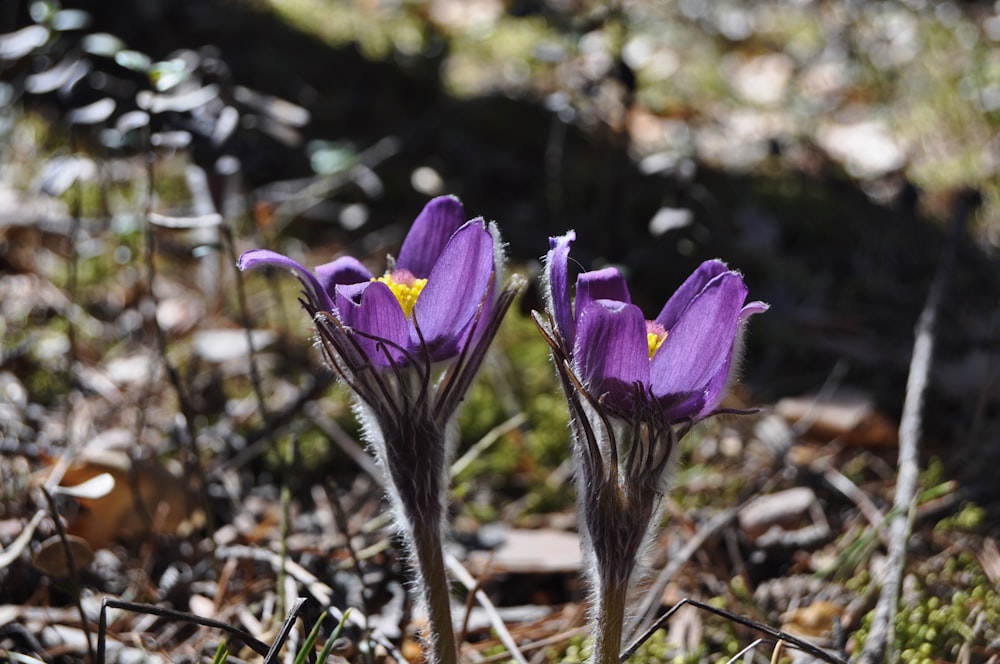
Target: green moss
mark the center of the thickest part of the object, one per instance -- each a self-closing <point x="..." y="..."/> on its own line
<point x="969" y="518"/>
<point x="46" y="386"/>
<point x="933" y="474"/>
<point x="959" y="607"/>
<point x="859" y="582"/>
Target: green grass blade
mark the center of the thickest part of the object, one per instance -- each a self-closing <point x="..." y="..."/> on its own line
<point x="328" y="646"/>
<point x="310" y="641"/>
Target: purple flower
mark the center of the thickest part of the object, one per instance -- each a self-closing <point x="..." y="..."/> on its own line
<point x="634" y="387"/>
<point x="426" y="303"/>
<point x="438" y="306"/>
<point x="681" y="360"/>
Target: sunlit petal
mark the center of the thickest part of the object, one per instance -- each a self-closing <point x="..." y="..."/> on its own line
<point x="684" y="295"/>
<point x="371" y="309"/>
<point x="347" y="298"/>
<point x="702" y="403"/>
<point x="756" y="307"/>
<point x="701" y="341"/>
<point x="315" y="291"/>
<point x="604" y="284"/>
<point x="612" y="355"/>
<point x="343" y="270"/>
<point x="557" y="285"/>
<point x="429" y="235"/>
<point x="455" y="289"/>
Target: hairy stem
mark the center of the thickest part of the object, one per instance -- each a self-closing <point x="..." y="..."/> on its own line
<point x="617" y="529"/>
<point x="608" y="619"/>
<point x="430" y="559"/>
<point x="412" y="449"/>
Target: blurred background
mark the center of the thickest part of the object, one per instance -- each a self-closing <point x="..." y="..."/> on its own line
<point x="824" y="149"/>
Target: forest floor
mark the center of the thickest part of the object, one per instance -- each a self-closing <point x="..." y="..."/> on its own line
<point x="829" y="152"/>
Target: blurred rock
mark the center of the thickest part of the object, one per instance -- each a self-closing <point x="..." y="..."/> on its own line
<point x="531" y="552"/>
<point x="866" y="148"/>
<point x="785" y="509"/>
<point x="848" y="416"/>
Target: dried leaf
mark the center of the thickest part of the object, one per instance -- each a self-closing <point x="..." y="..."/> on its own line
<point x="94" y="488"/>
<point x="146" y="496"/>
<point x="50" y="558"/>
<point x="816" y="619"/>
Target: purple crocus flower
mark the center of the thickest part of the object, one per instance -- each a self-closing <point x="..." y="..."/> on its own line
<point x="437" y="306"/>
<point x="427" y="302"/>
<point x="634" y="387"/>
<point x="680" y="361"/>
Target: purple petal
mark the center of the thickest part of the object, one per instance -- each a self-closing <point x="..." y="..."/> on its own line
<point x="702" y="403"/>
<point x="377" y="314"/>
<point x="689" y="290"/>
<point x="347" y="298"/>
<point x="343" y="270"/>
<point x="317" y="295"/>
<point x="612" y="353"/>
<point x="717" y="386"/>
<point x="755" y="307"/>
<point x="455" y="288"/>
<point x="604" y="284"/>
<point x="478" y="324"/>
<point x="429" y="235"/>
<point x="699" y="404"/>
<point x="701" y="342"/>
<point x="557" y="286"/>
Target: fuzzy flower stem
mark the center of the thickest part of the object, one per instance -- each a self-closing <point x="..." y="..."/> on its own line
<point x="617" y="521"/>
<point x="609" y="615"/>
<point x="430" y="559"/>
<point x="413" y="452"/>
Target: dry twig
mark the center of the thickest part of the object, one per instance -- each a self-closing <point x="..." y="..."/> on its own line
<point x="910" y="429"/>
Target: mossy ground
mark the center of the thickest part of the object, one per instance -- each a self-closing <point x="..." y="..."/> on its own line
<point x="544" y="118"/>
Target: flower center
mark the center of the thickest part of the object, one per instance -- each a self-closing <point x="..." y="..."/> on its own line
<point x="404" y="286"/>
<point x="656" y="334"/>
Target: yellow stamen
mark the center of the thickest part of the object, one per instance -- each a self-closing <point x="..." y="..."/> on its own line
<point x="655" y="341"/>
<point x="655" y="336"/>
<point x="405" y="287"/>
